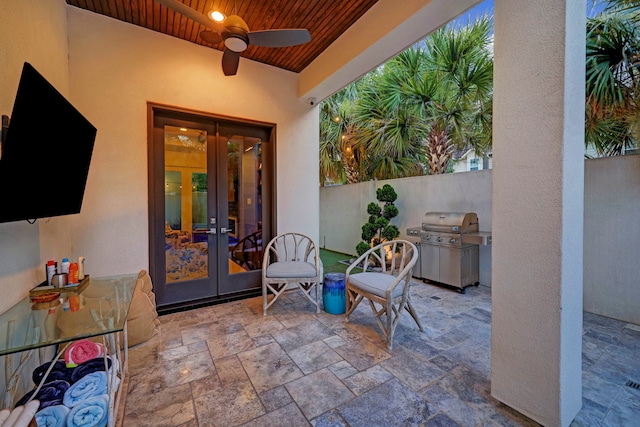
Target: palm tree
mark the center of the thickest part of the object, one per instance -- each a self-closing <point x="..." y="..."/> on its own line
<point x="406" y="117"/>
<point x="337" y="164"/>
<point x="386" y="130"/>
<point x="454" y="93"/>
<point x="621" y="6"/>
<point x="612" y="123"/>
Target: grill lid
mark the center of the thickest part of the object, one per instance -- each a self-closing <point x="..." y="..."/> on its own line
<point x="450" y="222"/>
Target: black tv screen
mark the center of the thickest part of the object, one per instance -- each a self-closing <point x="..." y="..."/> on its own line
<point x="46" y="153"/>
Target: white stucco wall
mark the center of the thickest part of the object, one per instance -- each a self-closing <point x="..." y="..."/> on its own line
<point x="611" y="230"/>
<point x="343" y="209"/>
<point x="24" y="248"/>
<point x="611" y="226"/>
<point x="115" y="69"/>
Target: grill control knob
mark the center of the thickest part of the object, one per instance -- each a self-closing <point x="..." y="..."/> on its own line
<point x="452" y="241"/>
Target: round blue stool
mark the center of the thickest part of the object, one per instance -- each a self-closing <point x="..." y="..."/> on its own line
<point x="334" y="293"/>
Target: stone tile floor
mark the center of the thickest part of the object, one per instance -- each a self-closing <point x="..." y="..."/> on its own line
<point x="227" y="365"/>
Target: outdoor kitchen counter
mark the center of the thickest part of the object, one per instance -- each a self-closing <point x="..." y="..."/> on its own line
<point x="477" y="238"/>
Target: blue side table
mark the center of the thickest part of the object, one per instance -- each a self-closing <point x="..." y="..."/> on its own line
<point x="334" y="293"/>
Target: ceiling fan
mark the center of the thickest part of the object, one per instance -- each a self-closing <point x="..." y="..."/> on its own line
<point x="235" y="34"/>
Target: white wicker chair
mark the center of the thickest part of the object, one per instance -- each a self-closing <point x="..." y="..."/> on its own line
<point x="290" y="258"/>
<point x="388" y="287"/>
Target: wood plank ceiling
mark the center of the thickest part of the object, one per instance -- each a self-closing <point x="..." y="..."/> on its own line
<point x="326" y="20"/>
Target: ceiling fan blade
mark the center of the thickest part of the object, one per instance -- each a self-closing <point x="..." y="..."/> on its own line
<point x="192" y="14"/>
<point x="279" y="38"/>
<point x="210" y="37"/>
<point x="230" y="60"/>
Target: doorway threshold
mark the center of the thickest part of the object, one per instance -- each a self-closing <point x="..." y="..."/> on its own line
<point x="205" y="302"/>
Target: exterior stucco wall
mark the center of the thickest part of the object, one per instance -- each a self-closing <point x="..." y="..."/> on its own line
<point x="611" y="226"/>
<point x="611" y="230"/>
<point x="343" y="209"/>
<point x="24" y="248"/>
<point x="116" y="68"/>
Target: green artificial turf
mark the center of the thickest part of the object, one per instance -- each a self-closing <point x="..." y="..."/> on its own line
<point x="331" y="261"/>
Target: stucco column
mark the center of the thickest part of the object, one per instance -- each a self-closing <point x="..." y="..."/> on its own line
<point x="538" y="182"/>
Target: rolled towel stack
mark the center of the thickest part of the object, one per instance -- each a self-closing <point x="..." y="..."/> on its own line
<point x="85" y="401"/>
<point x="81" y="351"/>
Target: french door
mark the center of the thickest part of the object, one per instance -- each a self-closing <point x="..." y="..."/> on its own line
<point x="210" y="205"/>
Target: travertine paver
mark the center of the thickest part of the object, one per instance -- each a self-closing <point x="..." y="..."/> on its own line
<point x="227" y="365"/>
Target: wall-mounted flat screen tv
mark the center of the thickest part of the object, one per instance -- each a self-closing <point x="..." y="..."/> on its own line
<point x="45" y="155"/>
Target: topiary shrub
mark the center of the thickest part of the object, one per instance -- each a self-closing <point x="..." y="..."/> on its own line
<point x="379" y="229"/>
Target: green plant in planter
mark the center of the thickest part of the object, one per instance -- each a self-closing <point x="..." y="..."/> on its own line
<point x="379" y="228"/>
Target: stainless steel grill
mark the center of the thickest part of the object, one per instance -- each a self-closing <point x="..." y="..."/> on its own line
<point x="449" y="248"/>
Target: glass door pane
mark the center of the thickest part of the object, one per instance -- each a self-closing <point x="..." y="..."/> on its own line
<point x="185" y="172"/>
<point x="244" y="198"/>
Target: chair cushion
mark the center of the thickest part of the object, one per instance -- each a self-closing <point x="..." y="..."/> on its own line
<point x="290" y="269"/>
<point x="375" y="283"/>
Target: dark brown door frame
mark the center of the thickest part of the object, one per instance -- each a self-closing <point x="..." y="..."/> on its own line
<point x="155" y="193"/>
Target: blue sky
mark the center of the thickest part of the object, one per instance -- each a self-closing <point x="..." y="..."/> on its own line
<point x="486" y="7"/>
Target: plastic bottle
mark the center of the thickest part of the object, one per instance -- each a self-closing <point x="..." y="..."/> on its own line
<point x="51" y="270"/>
<point x="73" y="273"/>
<point x="80" y="268"/>
<point x="64" y="266"/>
<point x="74" y="303"/>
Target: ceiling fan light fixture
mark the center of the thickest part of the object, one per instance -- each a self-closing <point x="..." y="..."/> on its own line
<point x="236" y="43"/>
<point x="216" y="15"/>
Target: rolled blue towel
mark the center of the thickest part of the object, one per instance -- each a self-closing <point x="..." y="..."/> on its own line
<point x="52" y="416"/>
<point x="58" y="372"/>
<point x="93" y="384"/>
<point x="88" y="367"/>
<point x="91" y="412"/>
<point x="49" y="394"/>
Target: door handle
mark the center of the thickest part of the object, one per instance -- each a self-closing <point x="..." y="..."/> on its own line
<point x="224" y="230"/>
<point x="211" y="231"/>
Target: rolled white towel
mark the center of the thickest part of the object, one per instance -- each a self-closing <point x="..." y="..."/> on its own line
<point x="27" y="414"/>
<point x="4" y="414"/>
<point x="13" y="416"/>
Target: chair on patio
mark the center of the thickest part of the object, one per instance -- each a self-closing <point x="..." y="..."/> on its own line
<point x="384" y="280"/>
<point x="290" y="258"/>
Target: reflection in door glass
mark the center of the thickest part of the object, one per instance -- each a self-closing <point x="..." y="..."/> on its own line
<point x="185" y="172"/>
<point x="244" y="194"/>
